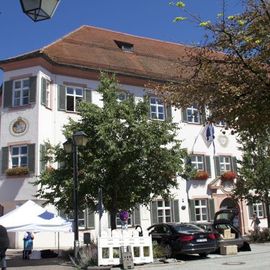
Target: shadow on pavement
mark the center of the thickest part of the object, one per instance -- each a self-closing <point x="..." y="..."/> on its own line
<point x="14" y="259"/>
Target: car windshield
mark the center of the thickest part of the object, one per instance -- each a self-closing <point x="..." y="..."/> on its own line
<point x="187" y="228"/>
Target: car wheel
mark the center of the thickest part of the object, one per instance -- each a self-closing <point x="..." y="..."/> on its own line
<point x="168" y="251"/>
<point x="203" y="255"/>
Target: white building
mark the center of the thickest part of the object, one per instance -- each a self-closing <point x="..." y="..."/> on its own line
<point x="39" y="94"/>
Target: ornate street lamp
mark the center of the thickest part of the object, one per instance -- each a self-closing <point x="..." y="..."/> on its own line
<point x="39" y="10"/>
<point x="79" y="138"/>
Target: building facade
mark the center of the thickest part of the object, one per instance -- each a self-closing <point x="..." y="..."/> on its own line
<point x="40" y="92"/>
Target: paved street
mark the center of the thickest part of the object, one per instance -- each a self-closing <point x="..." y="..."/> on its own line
<point x="258" y="258"/>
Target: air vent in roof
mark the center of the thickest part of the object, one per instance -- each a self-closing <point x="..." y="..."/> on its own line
<point x="124" y="46"/>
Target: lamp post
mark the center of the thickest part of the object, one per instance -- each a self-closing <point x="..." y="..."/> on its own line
<point x="39" y="10"/>
<point x="79" y="138"/>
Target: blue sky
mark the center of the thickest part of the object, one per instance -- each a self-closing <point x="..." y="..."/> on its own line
<point x="149" y="18"/>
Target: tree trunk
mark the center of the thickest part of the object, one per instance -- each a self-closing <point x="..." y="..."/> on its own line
<point x="113" y="219"/>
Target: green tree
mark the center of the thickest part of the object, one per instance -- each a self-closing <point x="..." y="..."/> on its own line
<point x="230" y="72"/>
<point x="253" y="183"/>
<point x="131" y="158"/>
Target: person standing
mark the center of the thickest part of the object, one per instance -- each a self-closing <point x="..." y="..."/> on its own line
<point x="27" y="245"/>
<point x="4" y="244"/>
<point x="255" y="222"/>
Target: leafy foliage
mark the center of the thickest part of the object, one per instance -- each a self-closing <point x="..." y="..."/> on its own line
<point x="131" y="158"/>
<point x="230" y="71"/>
<point x="260" y="236"/>
<point x="17" y="171"/>
<point x="253" y="181"/>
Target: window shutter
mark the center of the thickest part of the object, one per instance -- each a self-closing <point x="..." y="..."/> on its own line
<point x="234" y="164"/>
<point x="61" y="98"/>
<point x="5" y="158"/>
<point x="175" y="210"/>
<point x="147" y="99"/>
<point x="42" y="155"/>
<point x="90" y="219"/>
<point x="154" y="212"/>
<point x="33" y="88"/>
<point x="168" y="108"/>
<point x="264" y="210"/>
<point x="109" y="220"/>
<point x="217" y="166"/>
<point x="203" y="117"/>
<point x="250" y="210"/>
<point x="136" y="216"/>
<point x="192" y="210"/>
<point x="211" y="209"/>
<point x="8" y="86"/>
<point x="207" y="165"/>
<point x="43" y="91"/>
<point x="184" y="115"/>
<point x="31" y="158"/>
<point x="87" y="95"/>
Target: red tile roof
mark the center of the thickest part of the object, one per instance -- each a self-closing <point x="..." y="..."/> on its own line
<point x="95" y="48"/>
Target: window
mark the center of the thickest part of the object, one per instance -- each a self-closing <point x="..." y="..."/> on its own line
<point x="124" y="46"/>
<point x="225" y="164"/>
<point x="121" y="96"/>
<point x="258" y="209"/>
<point x="119" y="222"/>
<point x="21" y="92"/>
<point x="164" y="211"/>
<point x="19" y="156"/>
<point x="73" y="97"/>
<point x="193" y="115"/>
<point x="157" y="108"/>
<point x="198" y="162"/>
<point x="201" y="210"/>
<point x="45" y="92"/>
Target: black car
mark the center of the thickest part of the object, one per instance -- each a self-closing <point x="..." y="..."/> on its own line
<point x="225" y="227"/>
<point x="183" y="238"/>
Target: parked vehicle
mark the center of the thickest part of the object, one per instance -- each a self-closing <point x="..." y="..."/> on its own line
<point x="183" y="238"/>
<point x="225" y="227"/>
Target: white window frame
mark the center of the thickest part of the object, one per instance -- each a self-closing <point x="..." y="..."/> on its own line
<point x="21" y="95"/>
<point x="197" y="162"/>
<point x="201" y="210"/>
<point x="258" y="209"/>
<point x="76" y="97"/>
<point x="157" y="109"/>
<point x="193" y="115"/>
<point x="19" y="156"/>
<point x="225" y="164"/>
<point x="164" y="212"/>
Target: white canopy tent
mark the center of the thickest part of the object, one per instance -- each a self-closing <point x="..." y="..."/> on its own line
<point x="32" y="217"/>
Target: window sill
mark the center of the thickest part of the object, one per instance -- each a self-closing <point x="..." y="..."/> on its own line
<point x="23" y="107"/>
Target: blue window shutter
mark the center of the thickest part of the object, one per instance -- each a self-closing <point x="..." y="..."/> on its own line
<point x="31" y="158"/>
<point x="87" y="95"/>
<point x="5" y="158"/>
<point x="42" y="155"/>
<point x="136" y="216"/>
<point x="8" y="89"/>
<point x="43" y="91"/>
<point x="33" y="88"/>
<point x="234" y="164"/>
<point x="90" y="219"/>
<point x="61" y="98"/>
<point x="217" y="166"/>
<point x="207" y="165"/>
<point x="168" y="109"/>
<point x="192" y="210"/>
<point x="176" y="212"/>
<point x="211" y="209"/>
<point x="154" y="219"/>
<point x="184" y="114"/>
